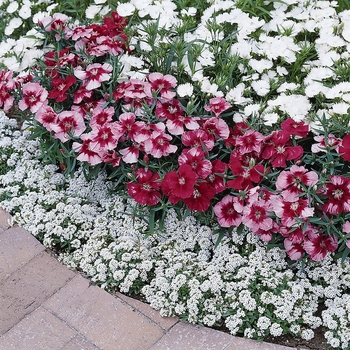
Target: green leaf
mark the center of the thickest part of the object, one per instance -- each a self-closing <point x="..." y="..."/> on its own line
<point x="220" y="237"/>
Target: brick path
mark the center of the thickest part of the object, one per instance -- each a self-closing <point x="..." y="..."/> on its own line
<point x="44" y="305"/>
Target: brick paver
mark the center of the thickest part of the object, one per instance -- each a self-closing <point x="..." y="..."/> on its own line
<point x="79" y="343"/>
<point x="101" y="318"/>
<point x="4" y="220"/>
<point x="26" y="288"/>
<point x="191" y="337"/>
<point x="248" y="344"/>
<point x="17" y="247"/>
<point x="38" y="331"/>
<point x="165" y="322"/>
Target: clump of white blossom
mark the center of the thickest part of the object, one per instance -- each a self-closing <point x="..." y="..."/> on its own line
<point x="22" y="44"/>
<point x="252" y="290"/>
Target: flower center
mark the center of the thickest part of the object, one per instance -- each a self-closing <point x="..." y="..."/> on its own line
<point x="294" y="206"/>
<point x="338" y="193"/>
<point x="171" y="109"/>
<point x="146" y="187"/>
<point x="67" y="126"/>
<point x="94" y="71"/>
<point x="32" y="98"/>
<point x="196" y="194"/>
<point x="246" y="173"/>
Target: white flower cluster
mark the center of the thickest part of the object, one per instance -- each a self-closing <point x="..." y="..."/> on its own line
<point x="278" y="64"/>
<point x="20" y="53"/>
<point x="282" y="62"/>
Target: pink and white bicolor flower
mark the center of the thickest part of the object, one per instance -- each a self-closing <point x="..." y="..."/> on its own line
<point x="229" y="211"/>
<point x="70" y="123"/>
<point x="291" y="182"/>
<point x="94" y="74"/>
<point x="33" y="97"/>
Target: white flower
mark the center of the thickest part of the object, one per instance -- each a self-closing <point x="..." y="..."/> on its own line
<point x="296" y="106"/>
<point x="307" y="334"/>
<point x="126" y="9"/>
<point x="261" y="87"/>
<point x="190" y="11"/>
<point x="236" y="95"/>
<point x="92" y="11"/>
<point x="242" y="48"/>
<point x="334" y="343"/>
<point x="12" y="25"/>
<point x="185" y="89"/>
<point x="263" y="323"/>
<point x="295" y="329"/>
<point x="260" y="65"/>
<point x="276" y="330"/>
<point x="211" y="89"/>
<point x="270" y="118"/>
<point x="25" y="12"/>
<point x="11" y="63"/>
<point x="252" y="109"/>
<point x="12" y="7"/>
<point x="287" y="86"/>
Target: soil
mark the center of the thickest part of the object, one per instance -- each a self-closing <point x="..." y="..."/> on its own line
<point x="317" y="343"/>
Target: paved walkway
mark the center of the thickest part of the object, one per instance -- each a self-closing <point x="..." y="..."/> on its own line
<point x="44" y="305"/>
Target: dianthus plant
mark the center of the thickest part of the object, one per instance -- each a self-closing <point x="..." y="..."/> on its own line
<point x="169" y="145"/>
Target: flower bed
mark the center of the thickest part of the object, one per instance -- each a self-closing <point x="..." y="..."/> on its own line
<point x="209" y="153"/>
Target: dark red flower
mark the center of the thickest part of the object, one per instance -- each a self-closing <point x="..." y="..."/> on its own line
<point x="61" y="86"/>
<point x="338" y="193"/>
<point x="344" y="148"/>
<point x="200" y="198"/>
<point x="278" y="149"/>
<point x="216" y="178"/>
<point x="293" y="128"/>
<point x="145" y="191"/>
<point x="247" y="173"/>
<point x="179" y="185"/>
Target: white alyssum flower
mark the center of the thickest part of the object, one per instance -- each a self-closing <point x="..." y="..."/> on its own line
<point x="307" y="334"/>
<point x="276" y="330"/>
<point x="263" y="323"/>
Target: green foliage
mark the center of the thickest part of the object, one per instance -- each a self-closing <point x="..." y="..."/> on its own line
<point x="343" y="5"/>
<point x="4" y="156"/>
